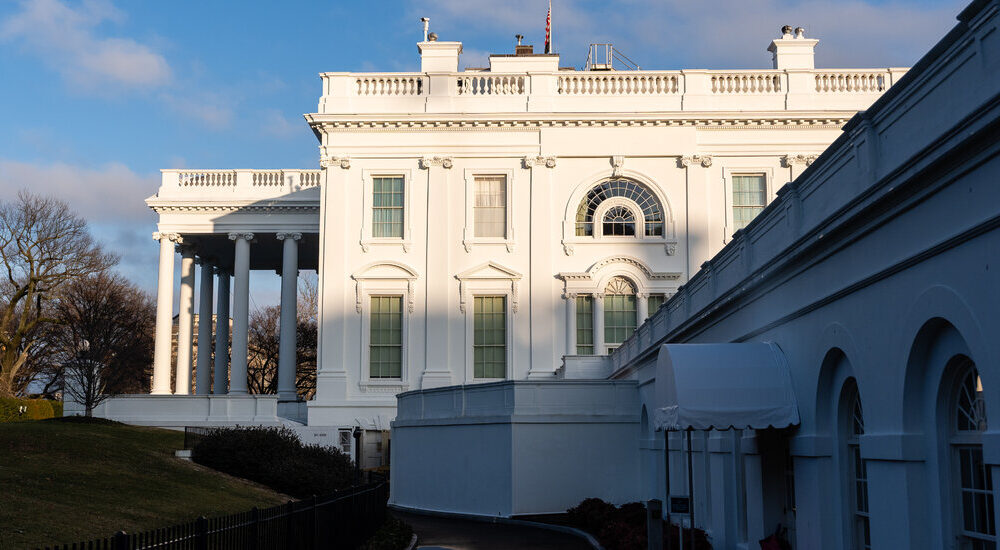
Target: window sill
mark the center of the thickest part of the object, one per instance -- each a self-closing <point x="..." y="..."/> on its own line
<point x="384" y="385"/>
<point x="480" y="241"/>
<point x="366" y="244"/>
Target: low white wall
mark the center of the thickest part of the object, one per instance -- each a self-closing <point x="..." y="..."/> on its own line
<point x="516" y="447"/>
<point x="185" y="410"/>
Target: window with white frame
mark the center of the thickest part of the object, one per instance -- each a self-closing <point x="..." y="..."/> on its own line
<point x="619" y="311"/>
<point x="387" y="206"/>
<point x="490" y="208"/>
<point x="972" y="477"/>
<point x="620" y="219"/>
<point x="585" y="325"/>
<point x="489" y="345"/>
<point x="749" y="198"/>
<point x="858" y="474"/>
<point x="654" y="302"/>
<point x="385" y="346"/>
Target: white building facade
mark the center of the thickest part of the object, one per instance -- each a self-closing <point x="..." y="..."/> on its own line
<point x="477" y="226"/>
<point x="834" y="366"/>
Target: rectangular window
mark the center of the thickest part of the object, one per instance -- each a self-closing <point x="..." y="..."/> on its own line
<point x="489" y="345"/>
<point x="387" y="206"/>
<point x="749" y="198"/>
<point x="490" y="210"/>
<point x="654" y="302"/>
<point x="584" y="325"/>
<point x="385" y="349"/>
<point x="619" y="318"/>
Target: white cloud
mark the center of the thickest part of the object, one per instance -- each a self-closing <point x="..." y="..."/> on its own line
<point x="112" y="193"/>
<point x="274" y="123"/>
<point x="65" y="38"/>
<point x="211" y="109"/>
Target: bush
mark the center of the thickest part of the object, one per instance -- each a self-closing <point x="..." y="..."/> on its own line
<point x="393" y="535"/>
<point x="37" y="409"/>
<point x="624" y="528"/>
<point x="277" y="458"/>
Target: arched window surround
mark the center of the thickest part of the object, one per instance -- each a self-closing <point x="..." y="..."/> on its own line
<point x="569" y="238"/>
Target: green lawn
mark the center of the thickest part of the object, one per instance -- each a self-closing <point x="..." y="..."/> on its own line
<point x="63" y="482"/>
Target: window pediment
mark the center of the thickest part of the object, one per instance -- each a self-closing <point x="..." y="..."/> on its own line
<point x="387" y="274"/>
<point x="489" y="275"/>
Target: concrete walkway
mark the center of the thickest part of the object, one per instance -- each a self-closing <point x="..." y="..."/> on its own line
<point x="458" y="534"/>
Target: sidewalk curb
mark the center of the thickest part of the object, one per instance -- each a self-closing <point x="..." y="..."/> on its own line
<point x="508" y="521"/>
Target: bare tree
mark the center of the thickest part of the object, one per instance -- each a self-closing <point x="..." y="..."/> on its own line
<point x="264" y="342"/>
<point x="105" y="338"/>
<point x="43" y="246"/>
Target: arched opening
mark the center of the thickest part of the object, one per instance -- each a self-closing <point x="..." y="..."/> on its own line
<point x="634" y="201"/>
<point x="619" y="311"/>
<point x="852" y="424"/>
<point x="970" y="479"/>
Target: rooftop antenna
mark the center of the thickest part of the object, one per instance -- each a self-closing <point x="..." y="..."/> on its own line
<point x="427" y="23"/>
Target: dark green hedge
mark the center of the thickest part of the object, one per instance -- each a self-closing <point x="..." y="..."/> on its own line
<point x="277" y="458"/>
<point x="624" y="527"/>
<point x="37" y="409"/>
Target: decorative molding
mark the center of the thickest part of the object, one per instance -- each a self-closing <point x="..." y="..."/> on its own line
<point x="403" y="272"/>
<point x="235" y="208"/>
<point x="489" y="271"/>
<point x="568" y="248"/>
<point x="380" y="386"/>
<point x="671" y="249"/>
<point x="617" y="161"/>
<point x="444" y="162"/>
<point x="344" y="162"/>
<point x="791" y="160"/>
<point x="687" y="160"/>
<point x="174" y="237"/>
<point x="241" y="235"/>
<point x="283" y="236"/>
<point x="548" y="162"/>
<point x="500" y="124"/>
<point x="567" y="295"/>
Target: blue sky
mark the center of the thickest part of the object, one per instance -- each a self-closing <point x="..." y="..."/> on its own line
<point x="96" y="96"/>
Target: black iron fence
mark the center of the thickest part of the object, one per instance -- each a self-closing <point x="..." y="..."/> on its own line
<point x="345" y="519"/>
<point x="193" y="434"/>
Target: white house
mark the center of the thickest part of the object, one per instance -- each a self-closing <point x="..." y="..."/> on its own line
<point x="835" y="368"/>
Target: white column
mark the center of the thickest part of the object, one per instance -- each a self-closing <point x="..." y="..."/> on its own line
<point x="641" y="307"/>
<point x="543" y="297"/>
<point x="203" y="370"/>
<point x="164" y="314"/>
<point x="289" y="320"/>
<point x="570" y="324"/>
<point x="220" y="387"/>
<point x="241" y="313"/>
<point x="185" y="323"/>
<point x="598" y="302"/>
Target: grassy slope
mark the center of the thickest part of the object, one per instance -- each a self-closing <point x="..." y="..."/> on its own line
<point x="63" y="482"/>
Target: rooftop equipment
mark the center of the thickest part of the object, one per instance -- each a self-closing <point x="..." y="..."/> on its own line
<point x="602" y="57"/>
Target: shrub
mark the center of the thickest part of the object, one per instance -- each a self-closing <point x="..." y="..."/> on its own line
<point x="623" y="528"/>
<point x="393" y="535"/>
<point x="37" y="409"/>
<point x="592" y="515"/>
<point x="277" y="458"/>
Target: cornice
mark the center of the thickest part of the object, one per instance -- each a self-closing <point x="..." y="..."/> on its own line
<point x="233" y="208"/>
<point x="488" y="122"/>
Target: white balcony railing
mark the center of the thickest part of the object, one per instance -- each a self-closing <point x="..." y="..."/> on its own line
<point x="238" y="184"/>
<point x="598" y="91"/>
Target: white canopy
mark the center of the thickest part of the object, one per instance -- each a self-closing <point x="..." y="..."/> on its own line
<point x="722" y="386"/>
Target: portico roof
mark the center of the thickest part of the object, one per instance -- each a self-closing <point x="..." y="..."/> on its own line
<point x="722" y="386"/>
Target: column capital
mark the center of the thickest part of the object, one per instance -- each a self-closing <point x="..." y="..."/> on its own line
<point x="159" y="236"/>
<point x="444" y="162"/>
<point x="292" y="236"/>
<point x="598" y="295"/>
<point x="547" y="161"/>
<point x="570" y="295"/>
<point x="343" y="162"/>
<point x="790" y="160"/>
<point x="237" y="235"/>
<point x="704" y="160"/>
<point x="641" y="295"/>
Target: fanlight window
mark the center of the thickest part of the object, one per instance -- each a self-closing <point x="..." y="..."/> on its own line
<point x="618" y="220"/>
<point x="973" y="479"/>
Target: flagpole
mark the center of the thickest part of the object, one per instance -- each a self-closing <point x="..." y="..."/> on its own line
<point x="552" y="46"/>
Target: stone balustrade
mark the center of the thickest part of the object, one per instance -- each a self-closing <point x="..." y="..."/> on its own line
<point x="598" y="91"/>
<point x="237" y="184"/>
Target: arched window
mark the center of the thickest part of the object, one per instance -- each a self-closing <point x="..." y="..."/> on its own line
<point x="619" y="311"/>
<point x="972" y="480"/>
<point x="858" y="476"/>
<point x="614" y="222"/>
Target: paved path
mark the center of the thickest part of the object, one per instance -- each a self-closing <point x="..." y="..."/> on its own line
<point x="459" y="534"/>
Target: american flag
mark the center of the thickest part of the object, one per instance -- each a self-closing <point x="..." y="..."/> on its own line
<point x="548" y="29"/>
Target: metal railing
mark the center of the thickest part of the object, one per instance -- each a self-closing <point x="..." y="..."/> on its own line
<point x="344" y="519"/>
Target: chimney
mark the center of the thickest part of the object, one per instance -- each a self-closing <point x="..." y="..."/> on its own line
<point x="793" y="51"/>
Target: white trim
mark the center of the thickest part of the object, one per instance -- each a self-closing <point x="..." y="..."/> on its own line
<point x="727" y="185"/>
<point x="490" y="289"/>
<point x="469" y="238"/>
<point x="367" y="241"/>
<point x="639" y="221"/>
<point x="386" y="288"/>
<point x="570" y="239"/>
